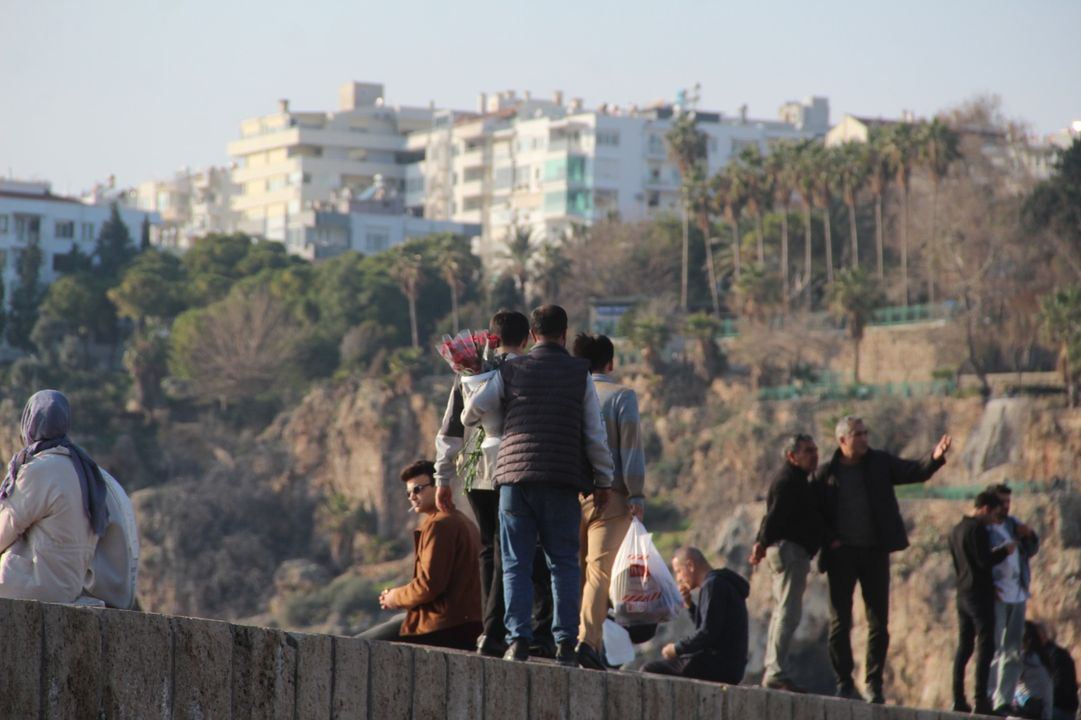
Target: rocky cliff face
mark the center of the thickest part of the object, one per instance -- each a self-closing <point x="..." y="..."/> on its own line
<point x="319" y="487"/>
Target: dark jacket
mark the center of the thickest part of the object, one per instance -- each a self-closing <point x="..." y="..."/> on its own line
<point x="720" y="623"/>
<point x="542" y="439"/>
<point x="791" y="512"/>
<point x="881" y="471"/>
<point x="973" y="559"/>
<point x="445" y="590"/>
<point x="1063" y="678"/>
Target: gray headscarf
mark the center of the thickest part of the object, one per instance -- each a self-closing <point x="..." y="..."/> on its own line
<point x="45" y="423"/>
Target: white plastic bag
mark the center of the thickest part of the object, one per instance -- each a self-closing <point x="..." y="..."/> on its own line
<point x="618" y="649"/>
<point x="642" y="589"/>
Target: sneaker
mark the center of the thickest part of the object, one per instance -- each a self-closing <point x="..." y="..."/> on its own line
<point x="518" y="651"/>
<point x="490" y="647"/>
<point x="1001" y="710"/>
<point x="846" y="690"/>
<point x="961" y="706"/>
<point x="782" y="684"/>
<point x="566" y="654"/>
<point x="874" y="694"/>
<point x="589" y="658"/>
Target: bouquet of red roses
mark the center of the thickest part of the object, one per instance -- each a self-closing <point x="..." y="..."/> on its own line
<point x="468" y="353"/>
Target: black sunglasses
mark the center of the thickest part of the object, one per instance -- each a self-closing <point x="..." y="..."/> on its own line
<point x="415" y="490"/>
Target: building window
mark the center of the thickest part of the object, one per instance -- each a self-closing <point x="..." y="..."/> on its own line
<point x="377" y="240"/>
<point x="87" y="232"/>
<point x="608" y="137"/>
<point x="65" y="229"/>
<point x="3" y="224"/>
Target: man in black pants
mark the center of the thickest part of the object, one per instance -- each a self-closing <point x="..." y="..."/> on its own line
<point x="512" y="329"/>
<point x="717" y="649"/>
<point x="973" y="559"/>
<point x="863" y="526"/>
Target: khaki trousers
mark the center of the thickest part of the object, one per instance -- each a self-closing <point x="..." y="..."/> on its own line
<point x="790" y="564"/>
<point x="600" y="538"/>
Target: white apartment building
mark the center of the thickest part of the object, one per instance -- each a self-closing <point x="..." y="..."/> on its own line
<point x="372" y="222"/>
<point x="31" y="214"/>
<point x="289" y="162"/>
<point x="546" y="164"/>
<point x="191" y="204"/>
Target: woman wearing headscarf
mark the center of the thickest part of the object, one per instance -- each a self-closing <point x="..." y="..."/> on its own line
<point x="52" y="507"/>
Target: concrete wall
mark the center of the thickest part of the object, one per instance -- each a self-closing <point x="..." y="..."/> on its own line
<point x="64" y="662"/>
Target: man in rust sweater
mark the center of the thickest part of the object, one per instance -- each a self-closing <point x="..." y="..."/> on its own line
<point x="442" y="602"/>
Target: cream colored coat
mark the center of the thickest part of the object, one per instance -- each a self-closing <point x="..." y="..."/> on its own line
<point x="46" y="543"/>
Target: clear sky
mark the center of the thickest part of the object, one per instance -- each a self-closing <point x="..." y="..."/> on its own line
<point x="139" y="88"/>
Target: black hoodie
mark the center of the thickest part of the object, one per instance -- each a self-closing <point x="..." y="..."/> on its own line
<point x="720" y="622"/>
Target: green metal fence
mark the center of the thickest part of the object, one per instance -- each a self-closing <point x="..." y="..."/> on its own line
<point x="840" y="391"/>
<point x="967" y="492"/>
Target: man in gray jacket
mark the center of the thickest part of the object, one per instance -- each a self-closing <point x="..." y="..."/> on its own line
<point x="551" y="429"/>
<point x="1011" y="577"/>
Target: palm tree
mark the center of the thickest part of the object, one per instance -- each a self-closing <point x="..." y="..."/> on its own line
<point x="756" y="183"/>
<point x="824" y="170"/>
<point x="552" y="266"/>
<point x="707" y="359"/>
<point x="879" y="171"/>
<point x="853" y="298"/>
<point x="688" y="147"/>
<point x="938" y="146"/>
<point x="902" y="148"/>
<point x="518" y="256"/>
<point x="730" y="195"/>
<point x="758" y="294"/>
<point x="699" y="201"/>
<point x="805" y="182"/>
<point x="1060" y="319"/>
<point x="780" y="165"/>
<point x="851" y="176"/>
<point x="407" y="271"/>
<point x="452" y="263"/>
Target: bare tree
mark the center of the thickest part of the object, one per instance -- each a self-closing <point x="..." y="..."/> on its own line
<point x="238" y="348"/>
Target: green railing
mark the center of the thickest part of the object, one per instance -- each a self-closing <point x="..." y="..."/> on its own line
<point x="841" y="391"/>
<point x="900" y="315"/>
<point x="967" y="492"/>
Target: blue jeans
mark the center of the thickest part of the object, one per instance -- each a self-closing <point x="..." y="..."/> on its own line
<point x="552" y="513"/>
<point x="1006" y="667"/>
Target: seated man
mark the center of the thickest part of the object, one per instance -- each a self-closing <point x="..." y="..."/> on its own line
<point x="717" y="650"/>
<point x="442" y="602"/>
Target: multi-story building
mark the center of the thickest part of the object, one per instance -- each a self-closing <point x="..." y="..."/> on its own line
<point x="191" y="204"/>
<point x="288" y="162"/>
<point x="31" y="215"/>
<point x="374" y="221"/>
<point x="546" y="165"/>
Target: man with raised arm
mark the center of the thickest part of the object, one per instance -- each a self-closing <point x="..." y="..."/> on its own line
<point x="864" y="525"/>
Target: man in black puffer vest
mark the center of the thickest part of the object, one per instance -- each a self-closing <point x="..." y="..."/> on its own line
<point x="554" y="446"/>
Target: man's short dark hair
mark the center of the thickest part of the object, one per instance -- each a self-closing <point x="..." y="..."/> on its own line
<point x="999" y="489"/>
<point x="549" y="321"/>
<point x="597" y="349"/>
<point x="416" y="469"/>
<point x="987" y="499"/>
<point x="511" y="326"/>
<point x="793" y="442"/>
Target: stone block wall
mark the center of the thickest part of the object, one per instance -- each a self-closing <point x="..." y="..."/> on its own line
<point x="70" y="663"/>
